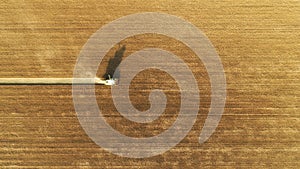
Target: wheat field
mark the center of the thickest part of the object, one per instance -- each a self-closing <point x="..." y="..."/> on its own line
<point x="257" y="41"/>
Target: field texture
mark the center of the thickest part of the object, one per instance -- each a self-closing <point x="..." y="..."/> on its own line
<point x="257" y="41"/>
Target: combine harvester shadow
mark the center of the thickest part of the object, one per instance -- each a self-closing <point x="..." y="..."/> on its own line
<point x="112" y="73"/>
